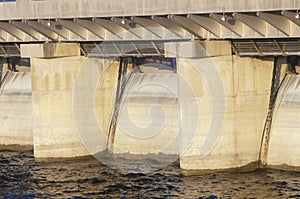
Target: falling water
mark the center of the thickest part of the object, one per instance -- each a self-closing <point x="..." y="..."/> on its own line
<point x="122" y="75"/>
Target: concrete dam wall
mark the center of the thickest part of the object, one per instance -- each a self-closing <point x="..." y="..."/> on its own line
<point x="16" y="110"/>
<point x="229" y="133"/>
<point x="284" y="139"/>
<point x="213" y="110"/>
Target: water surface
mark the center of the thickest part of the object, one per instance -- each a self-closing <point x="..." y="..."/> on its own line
<point x="21" y="177"/>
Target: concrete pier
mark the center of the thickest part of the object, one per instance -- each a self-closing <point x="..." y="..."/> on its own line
<point x="53" y="74"/>
<point x="56" y="135"/>
<point x="230" y="124"/>
<point x="217" y="127"/>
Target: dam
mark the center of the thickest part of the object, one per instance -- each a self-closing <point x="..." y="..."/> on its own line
<point x="215" y="87"/>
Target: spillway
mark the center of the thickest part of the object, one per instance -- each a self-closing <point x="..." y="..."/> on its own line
<point x="284" y="150"/>
<point x="16" y="110"/>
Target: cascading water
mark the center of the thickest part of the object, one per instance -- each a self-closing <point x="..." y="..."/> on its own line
<point x="268" y="124"/>
<point x="122" y="73"/>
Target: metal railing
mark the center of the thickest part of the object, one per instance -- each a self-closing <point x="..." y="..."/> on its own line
<point x="266" y="47"/>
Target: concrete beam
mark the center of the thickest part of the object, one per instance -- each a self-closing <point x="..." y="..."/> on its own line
<point x="152" y="26"/>
<point x="197" y="49"/>
<point x="230" y="23"/>
<point x="170" y="25"/>
<point x="207" y="23"/>
<point x="57" y="28"/>
<point x="43" y="30"/>
<point x="3" y="35"/>
<point x="27" y="29"/>
<point x="12" y="30"/>
<point x="277" y="21"/>
<point x="116" y="30"/>
<point x="92" y="27"/>
<point x="258" y="25"/>
<point x="27" y="9"/>
<point x="76" y="28"/>
<point x="50" y="50"/>
<point x="189" y="25"/>
<point x="130" y="26"/>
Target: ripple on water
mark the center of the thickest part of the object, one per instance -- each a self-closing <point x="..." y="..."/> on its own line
<point x="21" y="177"/>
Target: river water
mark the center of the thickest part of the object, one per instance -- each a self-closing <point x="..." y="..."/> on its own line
<point x="21" y="177"/>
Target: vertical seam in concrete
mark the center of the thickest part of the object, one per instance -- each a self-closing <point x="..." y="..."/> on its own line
<point x="235" y="95"/>
<point x="4" y="79"/>
<point x="264" y="146"/>
<point x="121" y="85"/>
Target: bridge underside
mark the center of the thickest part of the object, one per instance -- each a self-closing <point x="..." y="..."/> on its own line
<point x="275" y="24"/>
<point x="237" y="92"/>
<point x="242" y="47"/>
<point x="250" y="33"/>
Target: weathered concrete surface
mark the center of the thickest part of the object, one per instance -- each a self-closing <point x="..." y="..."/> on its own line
<point x="16" y="111"/>
<point x="49" y="50"/>
<point x="54" y="132"/>
<point x="247" y="84"/>
<point x="93" y="100"/>
<point x="1" y="70"/>
<point x="240" y="113"/>
<point x="284" y="138"/>
<point x="28" y="9"/>
<point x="196" y="49"/>
<point x="149" y="118"/>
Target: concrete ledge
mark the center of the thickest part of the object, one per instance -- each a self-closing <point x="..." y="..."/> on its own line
<point x="284" y="167"/>
<point x="16" y="147"/>
<point x="246" y="168"/>
<point x="197" y="49"/>
<point x="50" y="50"/>
<point x="87" y="157"/>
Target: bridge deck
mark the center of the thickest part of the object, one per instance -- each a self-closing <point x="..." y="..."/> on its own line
<point x="246" y="22"/>
<point x="114" y="20"/>
<point x="45" y="9"/>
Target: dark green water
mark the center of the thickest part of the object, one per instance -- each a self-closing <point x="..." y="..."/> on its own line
<point x="21" y="177"/>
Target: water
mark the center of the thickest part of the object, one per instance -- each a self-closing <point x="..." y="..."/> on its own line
<point x="21" y="177"/>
